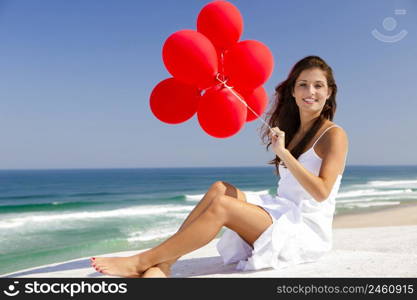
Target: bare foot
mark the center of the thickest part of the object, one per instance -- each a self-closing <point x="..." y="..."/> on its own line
<point x="130" y="266"/>
<point x="162" y="270"/>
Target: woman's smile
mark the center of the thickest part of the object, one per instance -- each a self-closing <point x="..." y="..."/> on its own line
<point x="309" y="101"/>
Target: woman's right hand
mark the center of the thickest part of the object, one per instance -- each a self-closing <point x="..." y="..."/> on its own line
<point x="278" y="141"/>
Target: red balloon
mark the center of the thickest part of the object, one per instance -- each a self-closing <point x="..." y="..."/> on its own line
<point x="220" y="58"/>
<point x="190" y="57"/>
<point x="257" y="100"/>
<point x="248" y="64"/>
<point x="220" y="113"/>
<point x="173" y="101"/>
<point x="221" y="22"/>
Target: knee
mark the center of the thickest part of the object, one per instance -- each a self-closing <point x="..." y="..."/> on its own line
<point x="218" y="186"/>
<point x="218" y="206"/>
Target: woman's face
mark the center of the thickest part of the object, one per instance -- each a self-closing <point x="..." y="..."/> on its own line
<point x="311" y="91"/>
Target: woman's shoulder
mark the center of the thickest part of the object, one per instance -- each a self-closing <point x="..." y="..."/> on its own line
<point x="333" y="129"/>
<point x="332" y="149"/>
<point x="338" y="130"/>
<point x="335" y="136"/>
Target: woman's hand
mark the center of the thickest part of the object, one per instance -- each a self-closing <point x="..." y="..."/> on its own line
<point x="278" y="141"/>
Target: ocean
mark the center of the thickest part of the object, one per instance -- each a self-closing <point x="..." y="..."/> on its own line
<point x="49" y="216"/>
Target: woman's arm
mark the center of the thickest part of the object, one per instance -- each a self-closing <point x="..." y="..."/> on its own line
<point x="333" y="148"/>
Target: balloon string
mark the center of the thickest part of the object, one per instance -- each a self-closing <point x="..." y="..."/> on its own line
<point x="230" y="88"/>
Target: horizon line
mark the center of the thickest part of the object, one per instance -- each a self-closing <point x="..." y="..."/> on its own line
<point x="185" y="167"/>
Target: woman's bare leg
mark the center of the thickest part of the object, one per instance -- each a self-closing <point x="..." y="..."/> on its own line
<point x="216" y="189"/>
<point x="246" y="219"/>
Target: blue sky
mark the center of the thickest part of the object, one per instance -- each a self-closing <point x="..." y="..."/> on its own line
<point x="75" y="80"/>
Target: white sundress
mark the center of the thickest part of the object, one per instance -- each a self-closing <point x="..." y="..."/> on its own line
<point x="301" y="230"/>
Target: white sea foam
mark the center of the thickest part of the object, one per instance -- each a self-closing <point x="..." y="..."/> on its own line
<point x="152" y="234"/>
<point x="263" y="192"/>
<point x="369" y="199"/>
<point x="382" y="193"/>
<point x="194" y="197"/>
<point x="371" y="192"/>
<point x="8" y="224"/>
<point x="373" y="203"/>
<point x="179" y="215"/>
<point x="46" y="218"/>
<point x="394" y="183"/>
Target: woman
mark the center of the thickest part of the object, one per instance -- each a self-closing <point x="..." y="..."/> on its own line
<point x="268" y="231"/>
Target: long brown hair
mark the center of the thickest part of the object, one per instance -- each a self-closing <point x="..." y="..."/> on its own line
<point x="285" y="114"/>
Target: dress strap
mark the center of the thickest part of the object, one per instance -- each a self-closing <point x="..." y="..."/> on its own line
<point x="323" y="134"/>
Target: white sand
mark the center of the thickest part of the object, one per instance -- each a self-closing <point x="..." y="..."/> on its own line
<point x="357" y="252"/>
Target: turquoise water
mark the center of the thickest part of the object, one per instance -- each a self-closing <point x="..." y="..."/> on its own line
<point x="48" y="216"/>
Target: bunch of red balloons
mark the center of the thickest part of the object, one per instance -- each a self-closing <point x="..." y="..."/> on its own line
<point x="214" y="74"/>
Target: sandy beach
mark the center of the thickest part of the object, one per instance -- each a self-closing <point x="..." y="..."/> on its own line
<point x="373" y="244"/>
<point x="400" y="215"/>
